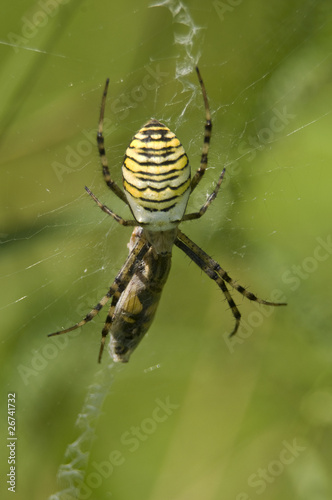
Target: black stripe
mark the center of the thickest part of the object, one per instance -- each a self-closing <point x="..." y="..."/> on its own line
<point x="168" y="149"/>
<point x="157" y="190"/>
<point x="158" y="201"/>
<point x="148" y="178"/>
<point x="147" y="200"/>
<point x="153" y="174"/>
<point x="148" y="138"/>
<point x="157" y="164"/>
<point x="167" y="209"/>
<point x="204" y="158"/>
<point x="149" y="157"/>
<point x="150" y="152"/>
<point x="154" y="123"/>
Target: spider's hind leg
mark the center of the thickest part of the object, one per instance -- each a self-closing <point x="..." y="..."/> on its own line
<point x="196" y="254"/>
<point x="215" y="272"/>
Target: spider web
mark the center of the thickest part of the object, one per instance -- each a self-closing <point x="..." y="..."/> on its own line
<point x="69" y="251"/>
<point x="71" y="474"/>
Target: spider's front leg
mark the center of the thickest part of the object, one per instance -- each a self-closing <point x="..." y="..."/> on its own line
<point x="211" y="197"/>
<point x="101" y="149"/>
<point x="108" y="324"/>
<point x="207" y="136"/>
<point x="118" y="286"/>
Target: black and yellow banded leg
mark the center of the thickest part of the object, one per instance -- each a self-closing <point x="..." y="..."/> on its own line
<point x="215" y="272"/>
<point x="108" y="324"/>
<point x="203" y="209"/>
<point x="190" y="248"/>
<point x="118" y="286"/>
<point x="207" y="136"/>
<point x="108" y="211"/>
<point x="101" y="148"/>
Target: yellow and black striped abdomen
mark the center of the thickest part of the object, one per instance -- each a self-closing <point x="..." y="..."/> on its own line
<point x="156" y="176"/>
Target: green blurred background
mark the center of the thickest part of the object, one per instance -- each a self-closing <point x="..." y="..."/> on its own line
<point x="251" y="418"/>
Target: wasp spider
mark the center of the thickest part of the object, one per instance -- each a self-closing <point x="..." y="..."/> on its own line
<point x="156" y="187"/>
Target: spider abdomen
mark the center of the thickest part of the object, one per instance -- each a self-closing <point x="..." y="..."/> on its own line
<point x="156" y="177"/>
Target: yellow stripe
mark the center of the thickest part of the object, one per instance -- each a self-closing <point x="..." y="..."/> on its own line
<point x="141" y="164"/>
<point x="137" y="143"/>
<point x="154" y="196"/>
<point x="143" y="180"/>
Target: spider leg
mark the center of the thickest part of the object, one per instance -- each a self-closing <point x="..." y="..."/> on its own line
<point x="101" y="148"/>
<point x="207" y="135"/>
<point x="190" y="248"/>
<point x="215" y="272"/>
<point x="203" y="209"/>
<point x="108" y="324"/>
<point x="118" y="286"/>
<point x="108" y="211"/>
